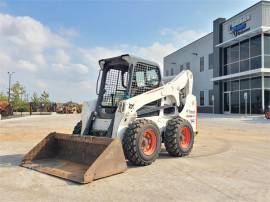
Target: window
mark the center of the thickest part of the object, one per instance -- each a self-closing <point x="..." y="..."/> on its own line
<point x="267" y="82"/>
<point x="167" y="73"/>
<point x="244" y="84"/>
<point x="152" y="77"/>
<point x="267" y="44"/>
<point x="256" y="62"/>
<point x="256" y="101"/>
<point x="211" y="61"/>
<point x="188" y="65"/>
<point x="244" y="65"/>
<point x="234" y="68"/>
<point x="226" y="70"/>
<point x="172" y="71"/>
<point x="210" y="97"/>
<point x="235" y="85"/>
<point x="201" y="98"/>
<point x="256" y="82"/>
<point x="267" y="61"/>
<point x="244" y="49"/>
<point x="201" y="64"/>
<point x="235" y="102"/>
<point x="255" y="46"/>
<point x="266" y="98"/>
<point x="235" y="53"/>
<point x="267" y="50"/>
<point x="145" y="78"/>
<point x="227" y="86"/>
<point x="140" y="81"/>
<point x="226" y="102"/>
<point x="181" y="67"/>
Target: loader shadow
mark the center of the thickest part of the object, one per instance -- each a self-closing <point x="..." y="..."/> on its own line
<point x="162" y="155"/>
<point x="10" y="160"/>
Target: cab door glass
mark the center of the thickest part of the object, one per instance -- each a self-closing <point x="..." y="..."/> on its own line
<point x="152" y="78"/>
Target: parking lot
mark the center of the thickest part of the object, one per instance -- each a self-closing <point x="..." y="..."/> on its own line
<point x="229" y="162"/>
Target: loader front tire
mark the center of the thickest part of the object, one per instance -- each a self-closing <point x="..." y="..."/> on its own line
<point x="78" y="128"/>
<point x="178" y="137"/>
<point x="142" y="142"/>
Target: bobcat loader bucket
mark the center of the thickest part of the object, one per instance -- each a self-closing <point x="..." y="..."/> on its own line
<point x="77" y="158"/>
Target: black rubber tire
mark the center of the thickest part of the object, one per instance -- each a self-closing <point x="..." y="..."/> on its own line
<point x="173" y="136"/>
<point x="131" y="142"/>
<point x="78" y="128"/>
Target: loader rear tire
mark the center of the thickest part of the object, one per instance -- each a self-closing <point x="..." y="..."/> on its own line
<point x="142" y="142"/>
<point x="78" y="128"/>
<point x="178" y="137"/>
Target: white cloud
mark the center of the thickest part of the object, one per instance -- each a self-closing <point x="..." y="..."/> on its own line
<point x="27" y="34"/>
<point x="62" y="57"/>
<point x="68" y="32"/>
<point x="91" y="56"/>
<point x="46" y="59"/>
<point x="181" y="37"/>
<point x="41" y="84"/>
<point x="27" y="65"/>
<point x="154" y="52"/>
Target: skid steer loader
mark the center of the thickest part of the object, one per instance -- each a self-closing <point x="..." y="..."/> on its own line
<point x="134" y="113"/>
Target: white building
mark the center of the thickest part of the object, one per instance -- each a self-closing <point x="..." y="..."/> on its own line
<point x="231" y="65"/>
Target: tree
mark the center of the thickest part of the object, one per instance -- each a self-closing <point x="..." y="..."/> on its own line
<point x="35" y="99"/>
<point x="44" y="98"/>
<point x="17" y="93"/>
<point x="45" y="101"/>
<point x="3" y="97"/>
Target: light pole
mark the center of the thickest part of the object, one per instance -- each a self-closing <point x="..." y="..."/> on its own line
<point x="9" y="84"/>
<point x="245" y="98"/>
<point x="213" y="100"/>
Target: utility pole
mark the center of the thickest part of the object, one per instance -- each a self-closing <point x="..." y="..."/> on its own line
<point x="9" y="84"/>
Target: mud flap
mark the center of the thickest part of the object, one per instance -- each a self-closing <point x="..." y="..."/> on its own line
<point x="77" y="158"/>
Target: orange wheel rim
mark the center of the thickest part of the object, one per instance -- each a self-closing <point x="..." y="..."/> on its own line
<point x="149" y="142"/>
<point x="186" y="137"/>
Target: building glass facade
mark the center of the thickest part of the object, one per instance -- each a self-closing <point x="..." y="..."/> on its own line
<point x="244" y="95"/>
<point x="243" y="56"/>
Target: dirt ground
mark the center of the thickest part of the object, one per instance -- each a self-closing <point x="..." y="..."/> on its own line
<point x="230" y="162"/>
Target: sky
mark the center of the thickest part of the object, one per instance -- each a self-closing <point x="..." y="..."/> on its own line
<point x="55" y="45"/>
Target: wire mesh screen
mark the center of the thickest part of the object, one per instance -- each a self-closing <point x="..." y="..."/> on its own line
<point x="145" y="78"/>
<point x="115" y="88"/>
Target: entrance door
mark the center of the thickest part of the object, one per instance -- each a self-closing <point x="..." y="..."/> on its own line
<point x="226" y="102"/>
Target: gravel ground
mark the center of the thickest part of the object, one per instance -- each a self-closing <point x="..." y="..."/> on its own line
<point x="229" y="162"/>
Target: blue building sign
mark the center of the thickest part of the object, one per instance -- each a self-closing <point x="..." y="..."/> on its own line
<point x="241" y="27"/>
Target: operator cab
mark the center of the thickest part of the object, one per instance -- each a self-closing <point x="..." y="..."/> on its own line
<point x="124" y="77"/>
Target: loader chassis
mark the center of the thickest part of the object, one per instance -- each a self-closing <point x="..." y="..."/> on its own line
<point x="132" y="95"/>
<point x="133" y="114"/>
